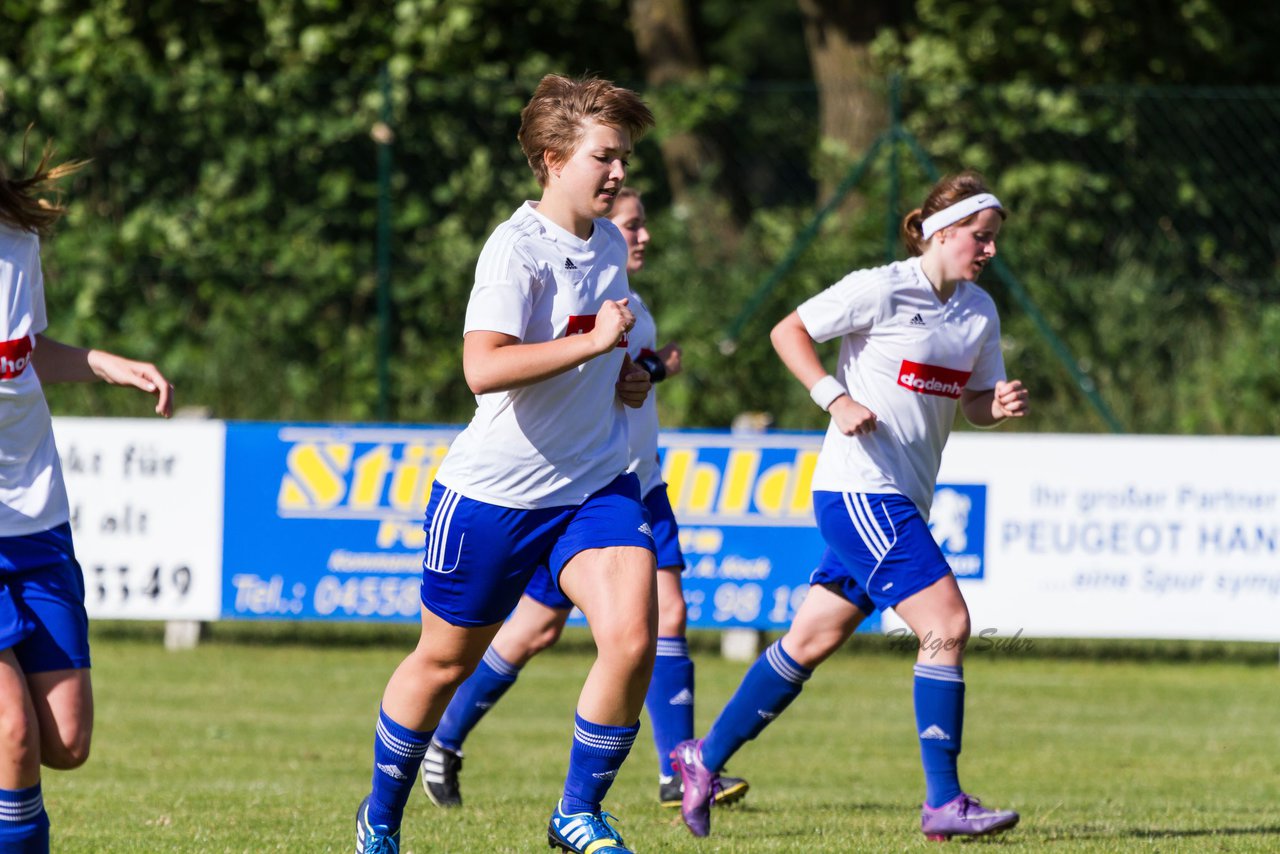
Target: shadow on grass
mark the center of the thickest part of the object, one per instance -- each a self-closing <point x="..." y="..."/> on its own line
<point x="1170" y="833"/>
<point x="1068" y="833"/>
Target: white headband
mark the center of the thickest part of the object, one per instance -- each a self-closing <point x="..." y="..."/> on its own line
<point x="961" y="209"/>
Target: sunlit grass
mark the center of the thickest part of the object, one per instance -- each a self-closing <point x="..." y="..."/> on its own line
<point x="263" y="743"/>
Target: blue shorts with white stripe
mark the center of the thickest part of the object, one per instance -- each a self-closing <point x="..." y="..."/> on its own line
<point x="882" y="548"/>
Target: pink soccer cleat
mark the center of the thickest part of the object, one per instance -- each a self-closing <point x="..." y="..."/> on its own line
<point x="963" y="816"/>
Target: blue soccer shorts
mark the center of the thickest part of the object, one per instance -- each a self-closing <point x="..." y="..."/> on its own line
<point x="542" y="586"/>
<point x="835" y="576"/>
<point x="882" y="542"/>
<point x="42" y="614"/>
<point x="480" y="557"/>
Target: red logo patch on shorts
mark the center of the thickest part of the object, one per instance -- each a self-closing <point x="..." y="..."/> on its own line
<point x="15" y="355"/>
<point x="581" y="324"/>
<point x="932" y="379"/>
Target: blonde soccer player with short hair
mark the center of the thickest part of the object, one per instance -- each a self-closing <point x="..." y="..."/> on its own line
<point x="539" y="476"/>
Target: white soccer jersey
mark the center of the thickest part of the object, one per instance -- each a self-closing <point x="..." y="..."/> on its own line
<point x="555" y="442"/>
<point x="32" y="495"/>
<point x="907" y="357"/>
<point x="642" y="423"/>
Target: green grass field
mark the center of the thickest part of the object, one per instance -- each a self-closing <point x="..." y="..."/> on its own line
<point x="259" y="740"/>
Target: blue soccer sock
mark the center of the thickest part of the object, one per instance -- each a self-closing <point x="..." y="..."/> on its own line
<point x="474" y="698"/>
<point x="670" y="699"/>
<point x="24" y="825"/>
<point x="769" y="687"/>
<point x="397" y="753"/>
<point x="939" y="698"/>
<point x="597" y="753"/>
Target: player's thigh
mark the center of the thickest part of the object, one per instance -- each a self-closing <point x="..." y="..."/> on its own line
<point x="63" y="701"/>
<point x="616" y="589"/>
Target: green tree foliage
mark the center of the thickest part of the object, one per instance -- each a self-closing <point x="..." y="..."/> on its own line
<point x="1138" y="223"/>
<point x="226" y="227"/>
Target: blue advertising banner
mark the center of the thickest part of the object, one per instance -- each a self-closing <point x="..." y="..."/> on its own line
<point x="325" y="522"/>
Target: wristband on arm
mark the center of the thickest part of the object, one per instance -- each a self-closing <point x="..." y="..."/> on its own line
<point x="651" y="363"/>
<point x="826" y="390"/>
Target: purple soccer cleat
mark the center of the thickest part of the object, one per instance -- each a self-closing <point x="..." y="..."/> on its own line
<point x="963" y="816"/>
<point x="699" y="786"/>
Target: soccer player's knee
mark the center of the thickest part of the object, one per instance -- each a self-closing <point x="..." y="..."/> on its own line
<point x="17" y="740"/>
<point x="671" y="618"/>
<point x="812" y="648"/>
<point x="955" y="628"/>
<point x="633" y="645"/>
<point x="545" y="637"/>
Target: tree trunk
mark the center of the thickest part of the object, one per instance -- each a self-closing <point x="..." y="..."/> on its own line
<point x="851" y="98"/>
<point x="694" y="163"/>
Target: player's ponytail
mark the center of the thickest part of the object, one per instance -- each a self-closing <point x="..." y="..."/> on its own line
<point x="21" y="203"/>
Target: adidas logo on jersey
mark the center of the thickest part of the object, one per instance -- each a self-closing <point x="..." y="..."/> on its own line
<point x="684" y="698"/>
<point x="646" y="530"/>
<point x="569" y="265"/>
<point x="935" y="733"/>
<point x="392" y="772"/>
<point x="917" y="320"/>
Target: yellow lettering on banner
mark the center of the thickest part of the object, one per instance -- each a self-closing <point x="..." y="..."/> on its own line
<point x="675" y="469"/>
<point x="314" y="477"/>
<point x="414" y="473"/>
<point x="771" y="489"/>
<point x="691" y="485"/>
<point x="739" y="473"/>
<point x="411" y="535"/>
<point x="370" y="476"/>
<point x="702" y="488"/>
<point x="802" y="486"/>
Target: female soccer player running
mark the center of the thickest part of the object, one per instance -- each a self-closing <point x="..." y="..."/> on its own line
<point x="916" y="337"/>
<point x="539" y="619"/>
<point x="539" y="475"/>
<point x="46" y="697"/>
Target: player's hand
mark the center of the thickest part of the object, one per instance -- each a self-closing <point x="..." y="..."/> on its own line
<point x="670" y="356"/>
<point x="633" y="384"/>
<point x="613" y="321"/>
<point x="851" y="417"/>
<point x="1010" y="400"/>
<point x="118" y="370"/>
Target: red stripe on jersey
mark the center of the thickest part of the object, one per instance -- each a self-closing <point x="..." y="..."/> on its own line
<point x="581" y="324"/>
<point x="932" y="379"/>
<point x="15" y="355"/>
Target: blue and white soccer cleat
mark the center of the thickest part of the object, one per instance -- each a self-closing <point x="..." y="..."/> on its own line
<point x="374" y="838"/>
<point x="584" y="833"/>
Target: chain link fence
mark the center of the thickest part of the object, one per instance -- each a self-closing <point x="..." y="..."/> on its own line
<point x="1140" y="258"/>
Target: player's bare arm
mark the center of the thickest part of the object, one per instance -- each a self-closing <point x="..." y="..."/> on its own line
<point x="494" y="361"/>
<point x="1009" y="399"/>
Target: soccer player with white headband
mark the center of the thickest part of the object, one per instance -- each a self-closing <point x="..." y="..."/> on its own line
<point x="917" y="337"/>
